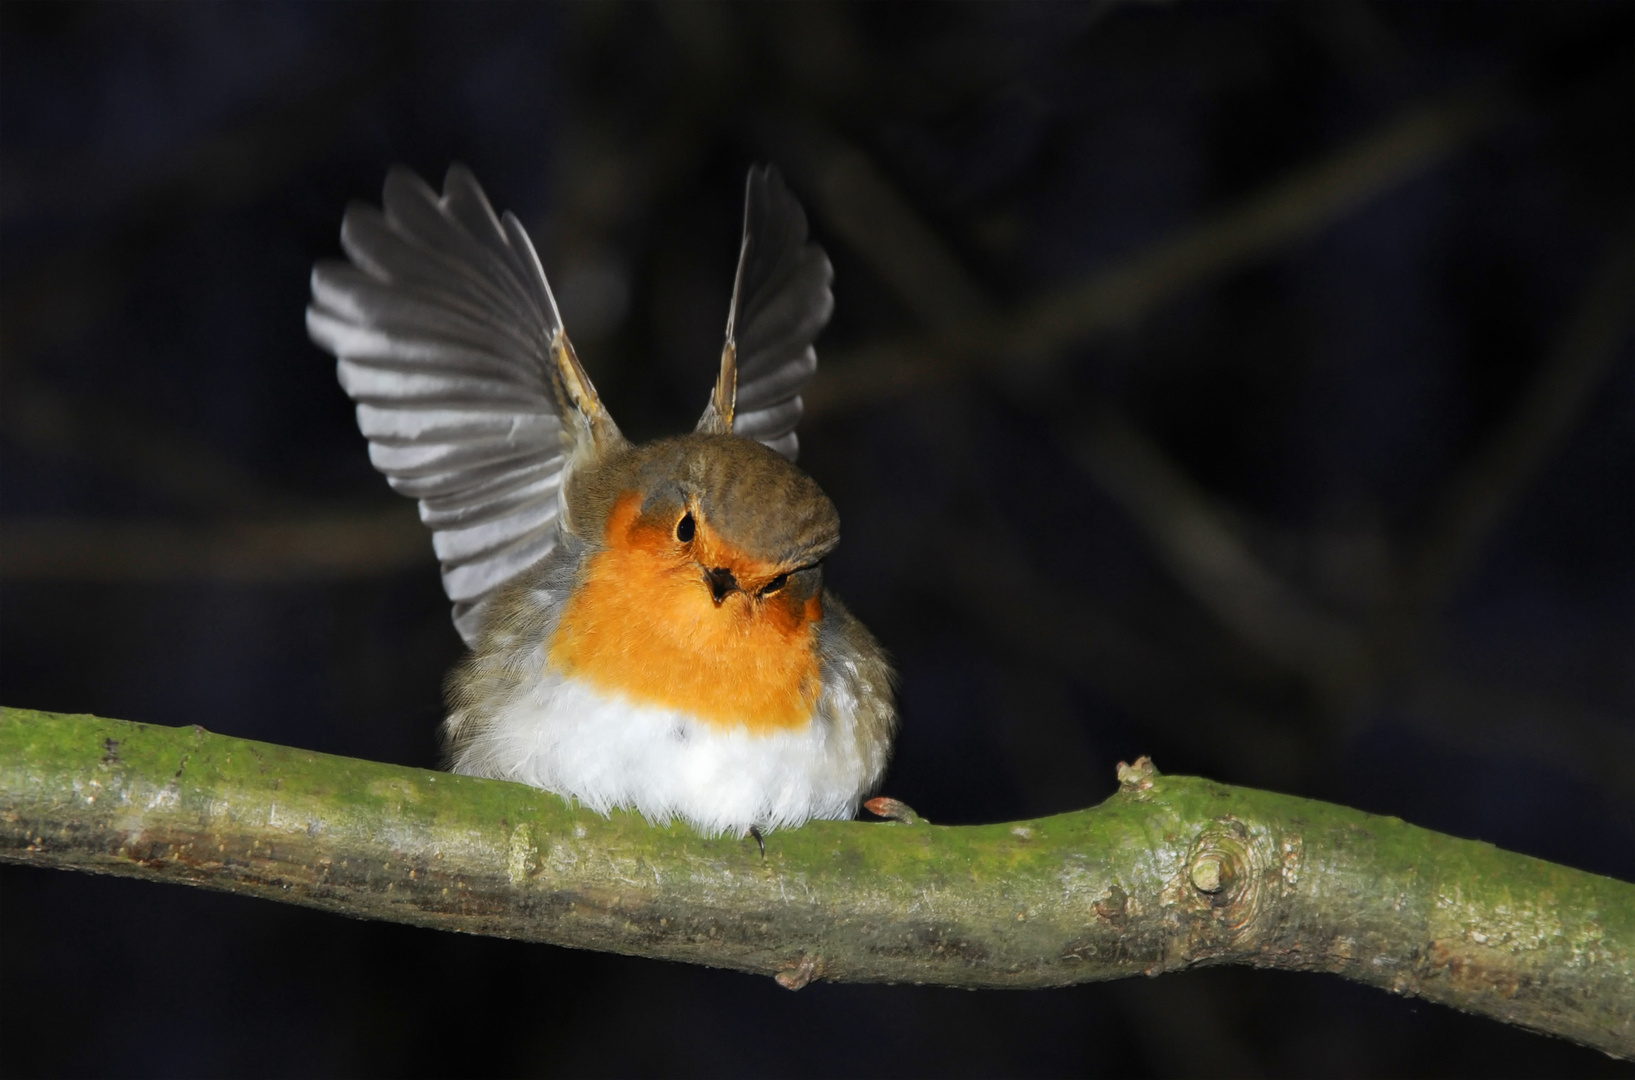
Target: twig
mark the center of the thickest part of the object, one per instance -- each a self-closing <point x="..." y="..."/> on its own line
<point x="305" y="548"/>
<point x="863" y="209"/>
<point x="1483" y="490"/>
<point x="1557" y="736"/>
<point x="1296" y="206"/>
<point x="1170" y="873"/>
<point x="60" y="297"/>
<point x="123" y="442"/>
<point x="1047" y="628"/>
<point x="1195" y="540"/>
<point x="1268" y="220"/>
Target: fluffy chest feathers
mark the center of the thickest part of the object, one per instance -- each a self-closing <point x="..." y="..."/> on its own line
<point x="645" y="624"/>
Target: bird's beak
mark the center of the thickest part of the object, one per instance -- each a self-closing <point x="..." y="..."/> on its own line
<point x="721" y="582"/>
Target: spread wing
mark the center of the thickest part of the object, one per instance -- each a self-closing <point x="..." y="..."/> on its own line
<point x="442" y="325"/>
<point x="780" y="305"/>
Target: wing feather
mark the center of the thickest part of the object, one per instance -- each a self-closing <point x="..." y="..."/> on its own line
<point x="780" y="384"/>
<point x="441" y="327"/>
<point x="505" y="493"/>
<point x="353" y="295"/>
<point x="465" y="544"/>
<point x="382" y="386"/>
<point x="784" y="303"/>
<point x="444" y="424"/>
<point x="471" y="582"/>
<point x="772" y="422"/>
<point x="413" y="460"/>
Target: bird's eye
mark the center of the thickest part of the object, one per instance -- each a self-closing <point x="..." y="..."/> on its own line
<point x="684" y="528"/>
<point x="775" y="584"/>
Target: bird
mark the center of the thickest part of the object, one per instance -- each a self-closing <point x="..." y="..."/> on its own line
<point x="647" y="625"/>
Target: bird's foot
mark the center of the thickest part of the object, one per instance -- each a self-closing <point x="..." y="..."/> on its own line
<point x="894" y="809"/>
<point x="760" y="841"/>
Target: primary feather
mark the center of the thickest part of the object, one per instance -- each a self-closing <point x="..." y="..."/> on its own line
<point x="783" y="303"/>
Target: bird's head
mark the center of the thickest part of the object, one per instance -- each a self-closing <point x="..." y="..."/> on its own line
<point x="715" y="522"/>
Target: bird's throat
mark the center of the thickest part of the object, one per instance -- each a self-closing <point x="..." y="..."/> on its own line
<point x="644" y="623"/>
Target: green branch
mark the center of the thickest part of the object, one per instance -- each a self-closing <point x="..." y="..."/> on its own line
<point x="1169" y="873"/>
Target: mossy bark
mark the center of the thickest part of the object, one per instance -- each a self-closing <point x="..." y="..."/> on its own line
<point x="1169" y="873"/>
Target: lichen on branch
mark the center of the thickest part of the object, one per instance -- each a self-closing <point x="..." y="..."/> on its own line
<point x="1168" y="873"/>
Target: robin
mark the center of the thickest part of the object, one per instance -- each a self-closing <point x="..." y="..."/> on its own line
<point x="648" y="624"/>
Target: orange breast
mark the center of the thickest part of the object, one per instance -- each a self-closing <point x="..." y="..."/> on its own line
<point x="644" y="624"/>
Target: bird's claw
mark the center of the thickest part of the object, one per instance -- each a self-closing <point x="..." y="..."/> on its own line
<point x="894" y="810"/>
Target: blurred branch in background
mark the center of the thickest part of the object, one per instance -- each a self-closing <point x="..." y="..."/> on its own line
<point x="1029" y="341"/>
<point x="1195" y="541"/>
<point x="1489" y="484"/>
<point x="863" y="209"/>
<point x="1195" y="697"/>
<point x="267" y="535"/>
<point x="119" y="441"/>
<point x="1588" y="746"/>
<point x="68" y="293"/>
<point x="342" y="544"/>
<point x="1266" y="222"/>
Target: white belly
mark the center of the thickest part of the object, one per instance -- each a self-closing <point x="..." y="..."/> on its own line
<point x="606" y="751"/>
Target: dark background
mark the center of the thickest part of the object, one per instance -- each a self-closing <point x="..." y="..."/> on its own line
<point x="1325" y="482"/>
